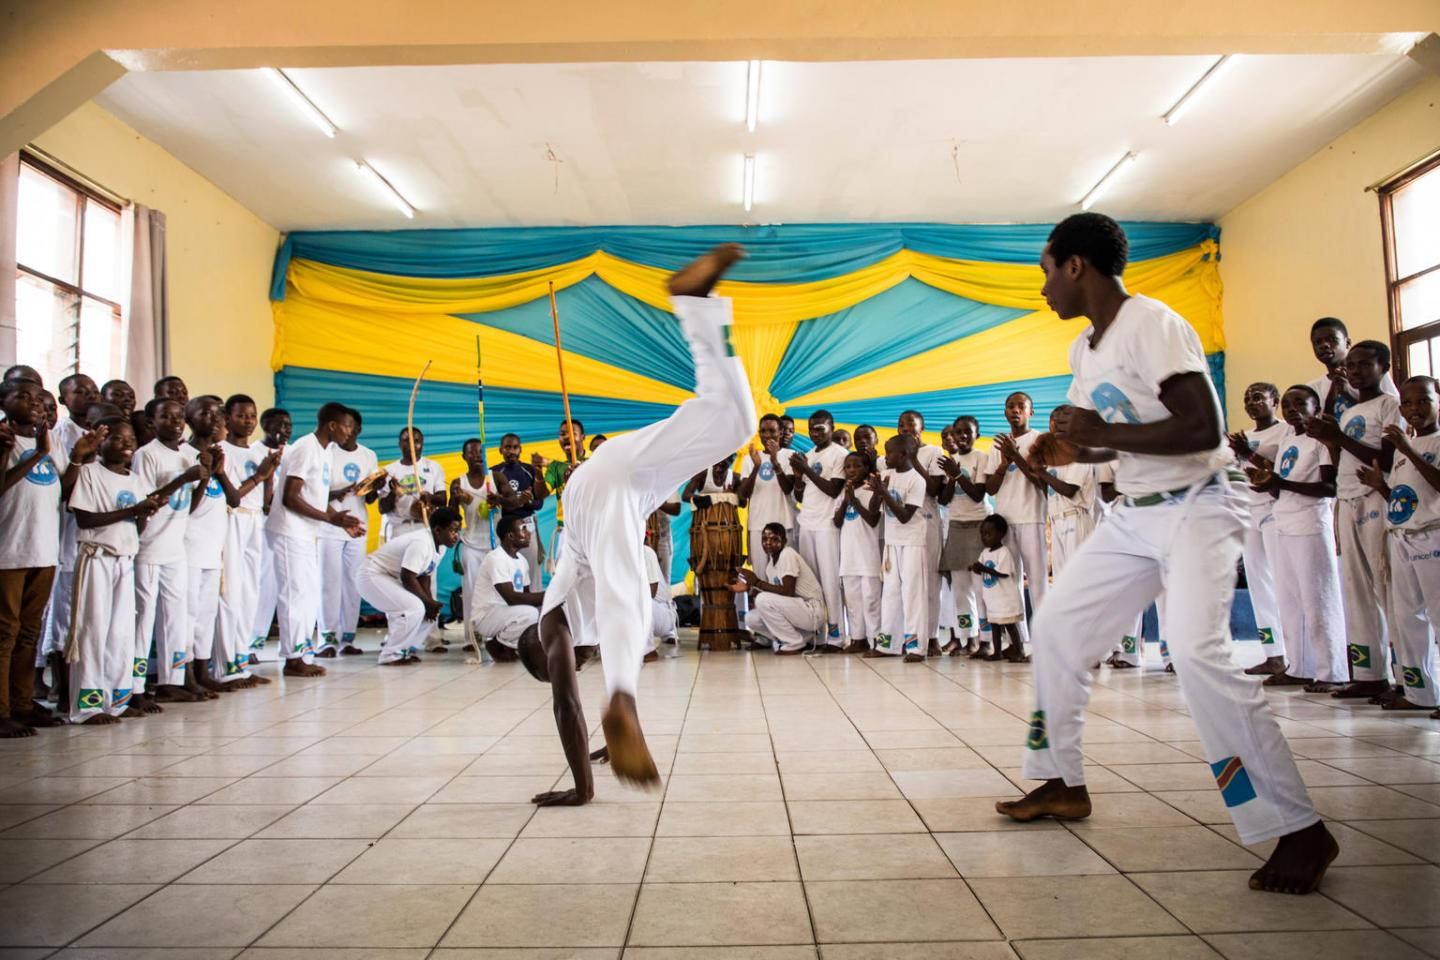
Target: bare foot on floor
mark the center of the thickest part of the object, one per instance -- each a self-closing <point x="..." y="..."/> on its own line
<point x="1400" y="703"/>
<point x="1051" y="799"/>
<point x="1361" y="688"/>
<point x="13" y="729"/>
<point x="1267" y="666"/>
<point x="170" y="693"/>
<point x="1298" y="863"/>
<point x="297" y="667"/>
<point x="698" y="277"/>
<point x="146" y="703"/>
<point x="99" y="720"/>
<point x="629" y="755"/>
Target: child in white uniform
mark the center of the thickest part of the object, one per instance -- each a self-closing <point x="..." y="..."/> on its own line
<point x="999" y="576"/>
<point x="788" y="604"/>
<point x="858" y="517"/>
<point x="967" y="505"/>
<point x="394" y="579"/>
<point x="662" y="611"/>
<point x="1069" y="507"/>
<point x="1020" y="496"/>
<point x="819" y="477"/>
<point x="205" y="541"/>
<point x="766" y="480"/>
<point x="341" y="554"/>
<point x="926" y="462"/>
<point x="277" y="427"/>
<point x="903" y="596"/>
<point x="1302" y="480"/>
<point x="1262" y="400"/>
<point x="1413" y="516"/>
<point x="470" y="494"/>
<point x="503" y="605"/>
<point x="248" y="466"/>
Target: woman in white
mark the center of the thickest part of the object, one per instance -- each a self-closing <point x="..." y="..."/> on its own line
<point x="396" y="579"/>
<point x="503" y="604"/>
<point x="788" y="604"/>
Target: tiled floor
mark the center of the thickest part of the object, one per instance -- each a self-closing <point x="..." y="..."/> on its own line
<point x="826" y="807"/>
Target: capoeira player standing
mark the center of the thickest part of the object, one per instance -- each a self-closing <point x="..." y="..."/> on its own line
<point x="600" y="579"/>
<point x="1142" y="396"/>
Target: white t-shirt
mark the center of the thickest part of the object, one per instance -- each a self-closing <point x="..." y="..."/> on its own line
<point x="155" y="465"/>
<point x="30" y="510"/>
<point x="928" y="457"/>
<point x="1018" y="500"/>
<point x="791" y="564"/>
<point x="961" y="507"/>
<point x="415" y="551"/>
<point x="1345" y="399"/>
<point x="1301" y="457"/>
<point x="1414" y="504"/>
<point x="498" y="567"/>
<point x="240" y="465"/>
<point x="306" y="460"/>
<point x="205" y="530"/>
<point x="816" y="509"/>
<point x="1002" y="594"/>
<point x="98" y="490"/>
<point x="432" y="480"/>
<point x="768" y="503"/>
<point x="1146" y="345"/>
<point x="476" y="513"/>
<point x="655" y="577"/>
<point x="347" y="467"/>
<point x="859" y="542"/>
<point x="1080" y="474"/>
<point x="907" y="486"/>
<point x="63" y="438"/>
<point x="1267" y="444"/>
<point x="722" y="492"/>
<point x="1364" y="422"/>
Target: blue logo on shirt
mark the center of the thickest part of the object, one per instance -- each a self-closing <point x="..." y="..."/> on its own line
<point x="1428" y="458"/>
<point x="989" y="579"/>
<point x="1404" y="501"/>
<point x="325" y="475"/>
<point x="351" y="472"/>
<point x="213" y="488"/>
<point x="1112" y="404"/>
<point x="518" y="580"/>
<point x="180" y="499"/>
<point x="1288" y="460"/>
<point x="1342" y="403"/>
<point x="250" y="467"/>
<point x="767" y="471"/>
<point x="1355" y="429"/>
<point x="124" y="499"/>
<point x="42" y="474"/>
<point x="851" y="513"/>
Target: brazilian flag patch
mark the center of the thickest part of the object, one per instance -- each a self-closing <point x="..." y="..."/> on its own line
<point x="90" y="699"/>
<point x="1413" y="678"/>
<point x="1038" y="740"/>
<point x="966" y="621"/>
<point x="1267" y="636"/>
<point x="258" y="643"/>
<point x="1234" y="781"/>
<point x="1360" y="655"/>
<point x="1128" y="644"/>
<point x="138" y="668"/>
<point x="883" y="641"/>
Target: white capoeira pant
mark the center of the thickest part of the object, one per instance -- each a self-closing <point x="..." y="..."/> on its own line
<point x="162" y="595"/>
<point x="267" y="599"/>
<point x="240" y="592"/>
<point x="934" y="543"/>
<point x="340" y="562"/>
<point x="297" y="590"/>
<point x="862" y="605"/>
<point x="662" y="623"/>
<point x="902" y="600"/>
<point x="786" y="621"/>
<point x="1187" y="546"/>
<point x="1308" y="590"/>
<point x="1360" y="531"/>
<point x="101" y="649"/>
<point x="203" y="608"/>
<point x="57" y="615"/>
<point x="506" y="624"/>
<point x="820" y="549"/>
<point x="470" y="560"/>
<point x="1027" y="543"/>
<point x="601" y="574"/>
<point x="405" y="621"/>
<point x="948" y="623"/>
<point x="1067" y="532"/>
<point x="1414" y="607"/>
<point x="1259" y="560"/>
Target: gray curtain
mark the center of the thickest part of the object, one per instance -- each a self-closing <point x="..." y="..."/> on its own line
<point x="9" y="204"/>
<point x="147" y="348"/>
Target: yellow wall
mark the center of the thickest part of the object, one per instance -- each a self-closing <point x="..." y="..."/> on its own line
<point x="219" y="254"/>
<point x="1308" y="246"/>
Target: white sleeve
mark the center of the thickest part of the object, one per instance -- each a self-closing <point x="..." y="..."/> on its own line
<point x="437" y="483"/>
<point x="1390" y="413"/>
<point x="489" y="568"/>
<point x="88" y="494"/>
<point x="747" y="467"/>
<point x="788" y="565"/>
<point x="1075" y="395"/>
<point x="1168" y="346"/>
<point x="914" y="489"/>
<point x="419" y="555"/>
<point x="652" y="566"/>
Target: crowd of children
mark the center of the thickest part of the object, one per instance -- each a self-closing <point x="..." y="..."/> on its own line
<point x="149" y="549"/>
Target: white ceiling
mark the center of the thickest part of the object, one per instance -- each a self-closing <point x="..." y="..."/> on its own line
<point x="662" y="143"/>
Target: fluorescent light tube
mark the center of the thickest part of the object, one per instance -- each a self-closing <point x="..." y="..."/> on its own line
<point x="1113" y="174"/>
<point x="749" y="188"/>
<point x="302" y="102"/>
<point x="369" y="173"/>
<point x="1183" y="104"/>
<point x="752" y="95"/>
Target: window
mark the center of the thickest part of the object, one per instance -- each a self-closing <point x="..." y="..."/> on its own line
<point x="68" y="279"/>
<point x="1410" y="220"/>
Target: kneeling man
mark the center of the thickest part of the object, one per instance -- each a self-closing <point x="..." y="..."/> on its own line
<point x="396" y="581"/>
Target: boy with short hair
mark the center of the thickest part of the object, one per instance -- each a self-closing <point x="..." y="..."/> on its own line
<point x="205" y="542"/>
<point x="1020" y="496"/>
<point x="787" y="604"/>
<point x="341" y="554"/>
<point x="926" y="461"/>
<point x="999" y="578"/>
<point x="521" y="490"/>
<point x="417" y="484"/>
<point x="172" y="388"/>
<point x="556" y="472"/>
<point x="964" y="498"/>
<point x="472" y="494"/>
<point x="819" y="478"/>
<point x="903" y="598"/>
<point x="121" y="394"/>
<point x="248" y="467"/>
<point x="1261" y="402"/>
<point x="1330" y="341"/>
<point x="276" y="427"/>
<point x="396" y="580"/>
<point x="859" y="522"/>
<point x="766" y="482"/>
<point x="503" y="605"/>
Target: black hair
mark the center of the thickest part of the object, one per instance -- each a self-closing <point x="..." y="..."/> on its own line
<point x="359" y="421"/>
<point x="1421" y="378"/>
<point x="777" y="529"/>
<point x="1268" y="387"/>
<point x="419" y="430"/>
<point x="271" y="414"/>
<point x="916" y="414"/>
<point x="1093" y="237"/>
<point x="1381" y="351"/>
<point x="110" y="423"/>
<point x="970" y="419"/>
<point x="107" y="407"/>
<point x="116" y="382"/>
<point x="507" y="523"/>
<point x="998" y="522"/>
<point x="1022" y="393"/>
<point x="330" y="412"/>
<point x="7" y="387"/>
<point x="822" y="414"/>
<point x="22" y="371"/>
<point x="69" y="381"/>
<point x="443" y="517"/>
<point x="154" y="404"/>
<point x="866" y="426"/>
<point x="1333" y="322"/>
<point x="235" y="399"/>
<point x="469" y="441"/>
<point x="1306" y="388"/>
<point x="786" y="416"/>
<point x="865" y="458"/>
<point x="575" y="421"/>
<point x="508" y="436"/>
<point x="771" y="416"/>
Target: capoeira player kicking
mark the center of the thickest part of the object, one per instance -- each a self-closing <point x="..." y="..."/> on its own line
<point x="600" y="581"/>
<point x="1142" y="396"/>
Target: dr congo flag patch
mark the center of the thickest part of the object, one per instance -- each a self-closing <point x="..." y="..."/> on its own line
<point x="1233" y="780"/>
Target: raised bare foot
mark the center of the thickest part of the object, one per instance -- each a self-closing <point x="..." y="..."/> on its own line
<point x="1358" y="689"/>
<point x="350" y="650"/>
<point x="1051" y="799"/>
<point x="297" y="667"/>
<point x="629" y="755"/>
<point x="146" y="703"/>
<point x="1267" y="666"/>
<point x="98" y="720"/>
<point x="14" y="729"/>
<point x="171" y="693"/>
<point x="1400" y="703"/>
<point x="1298" y="862"/>
<point x="698" y="277"/>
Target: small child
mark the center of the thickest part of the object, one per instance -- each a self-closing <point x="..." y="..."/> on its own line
<point x="842" y="437"/>
<point x="395" y="579"/>
<point x="473" y="494"/>
<point x="1413" y="518"/>
<point x="248" y="467"/>
<point x="859" y="522"/>
<point x="1000" y="577"/>
<point x="205" y="542"/>
<point x="1261" y="402"/>
<point x="276" y="426"/>
<point x="1303" y="484"/>
<point x="341" y="554"/>
<point x="101" y="648"/>
<point x="1019" y="494"/>
<point x="503" y="605"/>
<point x="903" y="598"/>
<point x="867" y="441"/>
<point x="966" y="507"/>
<point x="1069" y="505"/>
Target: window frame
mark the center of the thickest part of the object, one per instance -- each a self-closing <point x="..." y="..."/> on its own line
<point x="76" y="290"/>
<point x="1400" y="340"/>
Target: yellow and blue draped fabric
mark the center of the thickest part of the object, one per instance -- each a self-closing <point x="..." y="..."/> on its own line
<point x="863" y="320"/>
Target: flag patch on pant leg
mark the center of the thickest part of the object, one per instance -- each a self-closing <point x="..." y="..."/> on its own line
<point x="258" y="643"/>
<point x="1267" y="636"/>
<point x="138" y="668"/>
<point x="911" y="644"/>
<point x="1038" y="739"/>
<point x="1233" y="780"/>
<point x="966" y="621"/>
<point x="1128" y="644"/>
<point x="1413" y="677"/>
<point x="90" y="699"/>
<point x="1359" y="655"/>
<point x="177" y="659"/>
<point x="883" y="641"/>
<point x="120" y="698"/>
